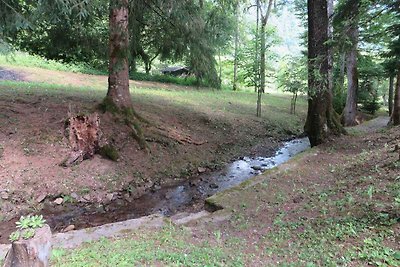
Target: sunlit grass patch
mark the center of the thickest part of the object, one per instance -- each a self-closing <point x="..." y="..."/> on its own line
<point x="170" y="246"/>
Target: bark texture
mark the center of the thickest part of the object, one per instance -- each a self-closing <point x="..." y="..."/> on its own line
<point x="118" y="100"/>
<point x="261" y="90"/>
<point x="118" y="79"/>
<point x="321" y="120"/>
<point x="257" y="50"/>
<point x="235" y="63"/>
<point x="350" y="110"/>
<point x="391" y="89"/>
<point x="33" y="252"/>
<point x="395" y="119"/>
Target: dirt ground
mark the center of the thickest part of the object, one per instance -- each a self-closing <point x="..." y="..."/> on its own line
<point x="33" y="144"/>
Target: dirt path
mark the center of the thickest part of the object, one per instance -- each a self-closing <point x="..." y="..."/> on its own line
<point x="373" y="125"/>
<point x="10" y="75"/>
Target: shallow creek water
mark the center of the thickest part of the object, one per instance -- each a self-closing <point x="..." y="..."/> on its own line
<point x="184" y="196"/>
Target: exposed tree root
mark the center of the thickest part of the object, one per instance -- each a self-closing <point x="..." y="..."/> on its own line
<point x="131" y="118"/>
<point x="178" y="136"/>
<point x="335" y="125"/>
<point x="137" y="132"/>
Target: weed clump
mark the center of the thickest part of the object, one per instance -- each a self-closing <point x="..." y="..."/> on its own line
<point x="110" y="152"/>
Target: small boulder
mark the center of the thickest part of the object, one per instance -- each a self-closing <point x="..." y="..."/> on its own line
<point x="59" y="201"/>
<point x="256" y="168"/>
<point x="69" y="228"/>
<point x="4" y="195"/>
<point x="213" y="186"/>
<point x="201" y="170"/>
<point x="33" y="252"/>
<point x="110" y="197"/>
<point x="194" y="182"/>
<point x="41" y="197"/>
<point x="75" y="196"/>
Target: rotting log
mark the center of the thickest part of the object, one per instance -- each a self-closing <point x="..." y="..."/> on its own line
<point x="34" y="252"/>
<point x="83" y="133"/>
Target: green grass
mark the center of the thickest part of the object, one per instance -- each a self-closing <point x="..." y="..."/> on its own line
<point x="275" y="106"/>
<point x="166" y="247"/>
<point x="27" y="60"/>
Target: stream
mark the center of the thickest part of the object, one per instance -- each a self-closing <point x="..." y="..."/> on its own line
<point x="185" y="196"/>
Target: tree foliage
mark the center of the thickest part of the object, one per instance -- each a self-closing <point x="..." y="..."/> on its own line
<point x="249" y="71"/>
<point x="292" y="78"/>
<point x="77" y="30"/>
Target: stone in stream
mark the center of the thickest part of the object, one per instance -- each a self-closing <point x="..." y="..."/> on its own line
<point x="34" y="252"/>
<point x="169" y="195"/>
<point x="4" y="195"/>
<point x="75" y="196"/>
<point x="256" y="168"/>
<point x="194" y="182"/>
<point x="213" y="186"/>
<point x="59" y="201"/>
<point x="110" y="197"/>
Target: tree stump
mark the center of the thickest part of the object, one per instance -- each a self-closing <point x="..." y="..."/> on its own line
<point x="83" y="133"/>
<point x="34" y="252"/>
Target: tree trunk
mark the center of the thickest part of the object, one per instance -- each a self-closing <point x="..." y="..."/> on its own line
<point x="293" y="103"/>
<point x="340" y="80"/>
<point x="118" y="69"/>
<point x="220" y="65"/>
<point x="235" y="63"/>
<point x="259" y="96"/>
<point x="330" y="38"/>
<point x="118" y="96"/>
<point x="34" y="252"/>
<point x="350" y="110"/>
<point x="262" y="55"/>
<point x="256" y="62"/>
<point x="321" y="122"/>
<point x="391" y="85"/>
<point x="395" y="119"/>
<point x="264" y="20"/>
<point x="261" y="89"/>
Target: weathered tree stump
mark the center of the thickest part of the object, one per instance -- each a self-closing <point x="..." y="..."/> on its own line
<point x="34" y="252"/>
<point x="83" y="133"/>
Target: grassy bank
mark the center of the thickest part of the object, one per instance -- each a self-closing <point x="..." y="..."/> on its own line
<point x="336" y="205"/>
<point x="27" y="60"/>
